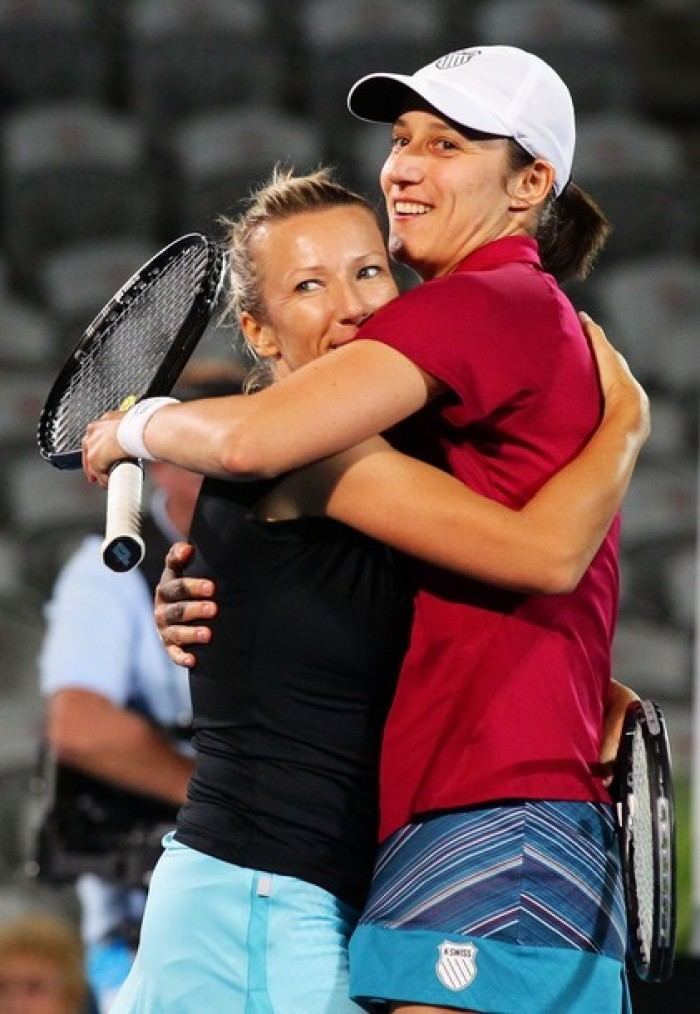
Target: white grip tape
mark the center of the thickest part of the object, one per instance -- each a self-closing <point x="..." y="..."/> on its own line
<point x="123" y="548"/>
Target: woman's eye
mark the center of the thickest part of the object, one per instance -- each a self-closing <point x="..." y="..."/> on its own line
<point x="370" y="271"/>
<point x="446" y="145"/>
<point x="307" y="285"/>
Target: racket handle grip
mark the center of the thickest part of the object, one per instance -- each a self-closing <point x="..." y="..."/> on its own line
<point x="123" y="548"/>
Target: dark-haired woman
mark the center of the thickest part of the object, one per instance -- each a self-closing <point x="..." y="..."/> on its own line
<point x="497" y="886"/>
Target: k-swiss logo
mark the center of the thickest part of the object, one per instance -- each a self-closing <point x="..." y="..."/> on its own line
<point x="456" y="59"/>
<point x="456" y="966"/>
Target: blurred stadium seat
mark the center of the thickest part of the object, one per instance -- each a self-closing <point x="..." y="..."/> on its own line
<point x="72" y="171"/>
<point x="680" y="586"/>
<point x="673" y="432"/>
<point x="579" y="38"/>
<point x="10" y="567"/>
<point x="22" y="396"/>
<point x="663" y="38"/>
<point x="613" y="144"/>
<point x="654" y="658"/>
<point x="29" y="335"/>
<point x="42" y="498"/>
<point x="652" y="307"/>
<point x="49" y="50"/>
<point x="219" y="157"/>
<point x="345" y="41"/>
<point x="186" y="56"/>
<point x="369" y="147"/>
<point x="636" y="172"/>
<point x="76" y="281"/>
<point x="660" y="504"/>
<point x="49" y="512"/>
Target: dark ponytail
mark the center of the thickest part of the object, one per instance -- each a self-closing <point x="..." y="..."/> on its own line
<point x="572" y="229"/>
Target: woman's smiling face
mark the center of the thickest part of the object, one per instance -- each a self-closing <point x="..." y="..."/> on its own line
<point x="445" y="191"/>
<point x="322" y="273"/>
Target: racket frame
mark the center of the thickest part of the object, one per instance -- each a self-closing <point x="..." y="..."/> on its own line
<point x="178" y="353"/>
<point x="123" y="547"/>
<point x="647" y="716"/>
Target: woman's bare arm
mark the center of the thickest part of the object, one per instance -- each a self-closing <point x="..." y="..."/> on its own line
<point x="544" y="547"/>
<point x="357" y="391"/>
<point x="328" y="405"/>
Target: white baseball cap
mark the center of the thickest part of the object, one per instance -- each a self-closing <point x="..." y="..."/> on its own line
<point x="495" y="89"/>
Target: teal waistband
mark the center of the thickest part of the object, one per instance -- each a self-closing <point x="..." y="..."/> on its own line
<point x="475" y="973"/>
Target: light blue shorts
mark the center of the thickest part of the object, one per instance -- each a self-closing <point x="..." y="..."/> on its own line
<point x="224" y="939"/>
<point x="507" y="908"/>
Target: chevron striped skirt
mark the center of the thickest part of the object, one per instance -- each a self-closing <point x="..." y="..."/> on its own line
<point x="504" y="908"/>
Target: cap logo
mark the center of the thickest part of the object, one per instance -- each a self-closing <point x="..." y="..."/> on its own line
<point x="456" y="59"/>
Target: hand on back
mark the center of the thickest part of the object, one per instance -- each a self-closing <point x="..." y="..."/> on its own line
<point x="621" y="391"/>
<point x="181" y="604"/>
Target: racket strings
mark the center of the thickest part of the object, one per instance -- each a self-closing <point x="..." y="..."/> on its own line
<point x="128" y="346"/>
<point x="642" y="834"/>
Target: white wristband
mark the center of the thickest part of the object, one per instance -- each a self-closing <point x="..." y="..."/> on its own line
<point x="131" y="428"/>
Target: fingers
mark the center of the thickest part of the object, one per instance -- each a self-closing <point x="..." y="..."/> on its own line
<point x="178" y="555"/>
<point x="180" y="657"/>
<point x="608" y="774"/>
<point x="84" y="460"/>
<point x="597" y="337"/>
<point x="91" y="448"/>
<point x="604" y="351"/>
<point x="175" y="560"/>
<point x="187" y="589"/>
<point x="176" y="638"/>
<point x="589" y="325"/>
<point x="180" y="635"/>
<point x="608" y="754"/>
<point x="186" y="611"/>
<point x="618" y="700"/>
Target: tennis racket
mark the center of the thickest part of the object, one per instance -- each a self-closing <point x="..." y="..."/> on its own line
<point x="647" y="839"/>
<point x="136" y="347"/>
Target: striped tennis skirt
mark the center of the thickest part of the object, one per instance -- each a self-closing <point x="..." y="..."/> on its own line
<point x="510" y="909"/>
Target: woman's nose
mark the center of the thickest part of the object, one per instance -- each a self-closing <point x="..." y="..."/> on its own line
<point x="350" y="304"/>
<point x="354" y="312"/>
<point x="404" y="166"/>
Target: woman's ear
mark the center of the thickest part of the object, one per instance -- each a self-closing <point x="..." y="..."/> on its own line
<point x="260" y="337"/>
<point x="530" y="186"/>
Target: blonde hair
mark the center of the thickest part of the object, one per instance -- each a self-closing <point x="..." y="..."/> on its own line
<point x="54" y="940"/>
<point x="281" y="197"/>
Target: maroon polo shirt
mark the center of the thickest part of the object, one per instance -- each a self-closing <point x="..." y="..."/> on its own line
<point x="501" y="694"/>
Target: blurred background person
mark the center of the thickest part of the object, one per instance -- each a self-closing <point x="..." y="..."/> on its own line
<point x="41" y="967"/>
<point x="117" y="711"/>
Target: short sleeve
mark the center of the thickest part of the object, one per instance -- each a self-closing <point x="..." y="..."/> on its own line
<point x="460" y="330"/>
<point x="90" y="628"/>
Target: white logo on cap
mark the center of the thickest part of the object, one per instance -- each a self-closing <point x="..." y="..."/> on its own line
<point x="456" y="59"/>
<point x="456" y="967"/>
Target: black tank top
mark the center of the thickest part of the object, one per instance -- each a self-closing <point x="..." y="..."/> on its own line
<point x="290" y="696"/>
